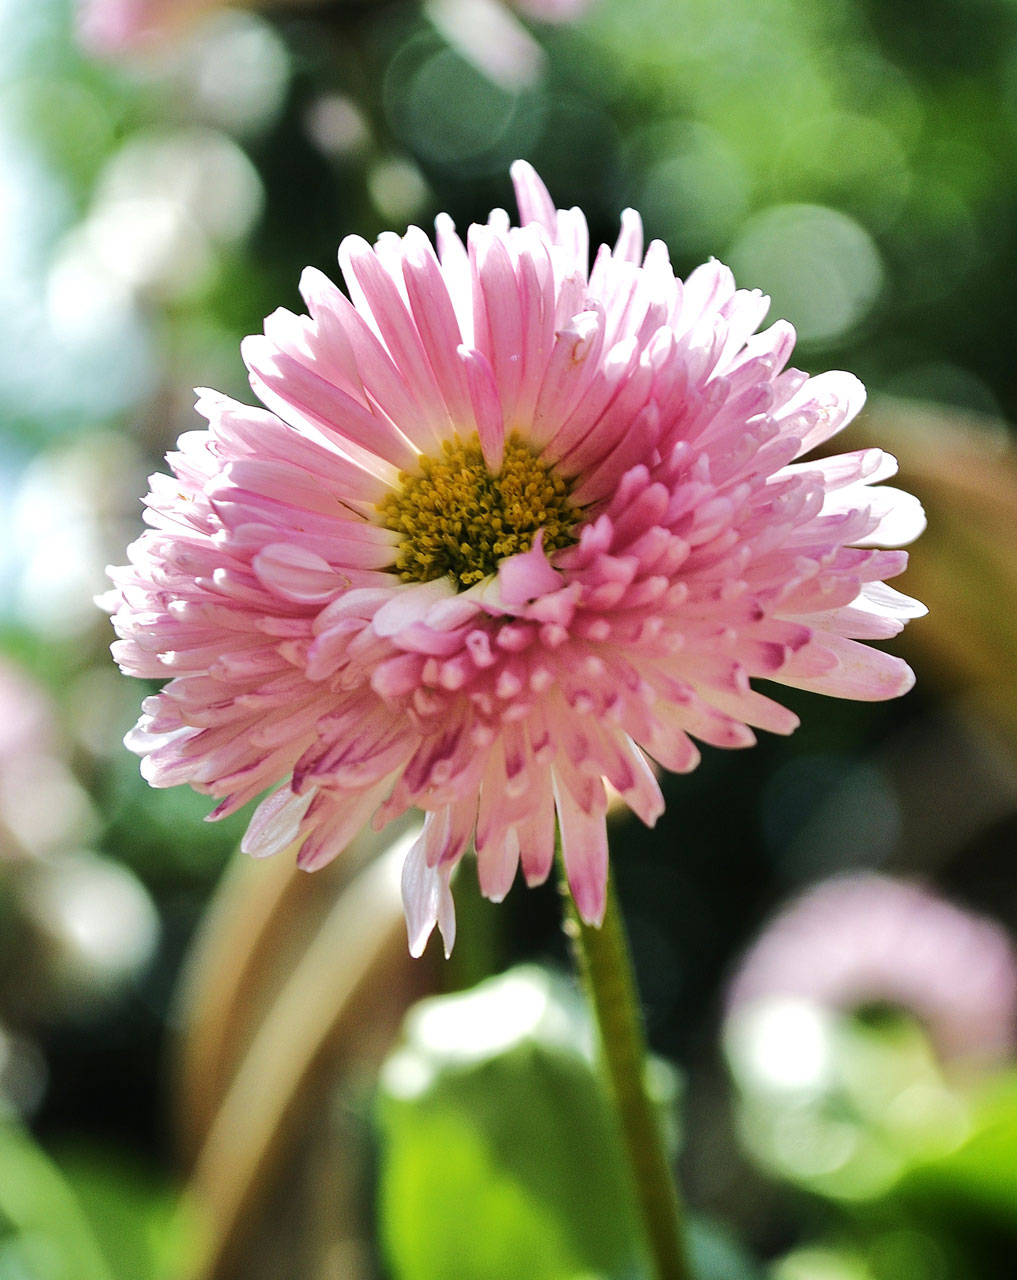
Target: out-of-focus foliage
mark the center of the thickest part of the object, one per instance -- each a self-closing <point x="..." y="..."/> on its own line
<point x="45" y="1227"/>
<point x="502" y="1187"/>
<point x="865" y="1076"/>
<point x="499" y="1154"/>
<point x="849" y="1110"/>
<point x="855" y="159"/>
<point x="862" y="1115"/>
<point x="88" y="1218"/>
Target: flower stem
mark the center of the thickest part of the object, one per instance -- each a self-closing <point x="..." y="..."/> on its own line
<point x="605" y="965"/>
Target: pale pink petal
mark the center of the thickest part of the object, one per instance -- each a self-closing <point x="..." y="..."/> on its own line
<point x="497" y="865"/>
<point x="410" y="603"/>
<point x="436" y="322"/>
<point x="296" y="574"/>
<point x="377" y="296"/>
<point x="535" y="204"/>
<point x="536" y="836"/>
<point x="900" y="517"/>
<point x="629" y="245"/>
<point x="331" y="822"/>
<point x="526" y="576"/>
<point x="275" y="824"/>
<point x="297" y="392"/>
<point x="486" y="405"/>
<point x="877" y="597"/>
<point x="427" y="899"/>
<point x="824" y="405"/>
<point x="455" y="267"/>
<point x="863" y="673"/>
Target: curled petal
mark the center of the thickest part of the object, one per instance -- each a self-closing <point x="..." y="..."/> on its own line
<point x="427" y="898"/>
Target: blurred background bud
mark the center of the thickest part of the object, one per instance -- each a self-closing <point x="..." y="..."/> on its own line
<point x="860" y="1027"/>
<point x="868" y="941"/>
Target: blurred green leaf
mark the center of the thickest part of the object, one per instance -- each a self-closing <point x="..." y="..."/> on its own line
<point x="86" y="1217"/>
<point x="499" y="1155"/>
<point x="900" y="1251"/>
<point x="52" y="1237"/>
<point x="980" y="1172"/>
<point x="837" y="1104"/>
<point x="716" y="1255"/>
<point x="134" y="1216"/>
<point x="813" y="1263"/>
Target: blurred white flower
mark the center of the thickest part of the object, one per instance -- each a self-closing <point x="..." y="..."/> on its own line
<point x="66" y="519"/>
<point x="168" y="202"/>
<point x="98" y="924"/>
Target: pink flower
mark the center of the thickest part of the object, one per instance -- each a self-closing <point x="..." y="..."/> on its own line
<point x="859" y="939"/>
<point x="509" y="530"/>
<point x="111" y="28"/>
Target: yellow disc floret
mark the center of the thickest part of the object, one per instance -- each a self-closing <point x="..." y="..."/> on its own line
<point x="457" y="518"/>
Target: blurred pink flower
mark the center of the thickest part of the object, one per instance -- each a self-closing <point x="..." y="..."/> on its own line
<point x="511" y="529"/>
<point x="488" y="34"/>
<point x="27" y="722"/>
<point x="109" y="28"/>
<point x="862" y="939"/>
<point x="40" y="806"/>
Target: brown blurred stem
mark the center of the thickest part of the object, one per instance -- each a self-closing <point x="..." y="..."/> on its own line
<point x="604" y="963"/>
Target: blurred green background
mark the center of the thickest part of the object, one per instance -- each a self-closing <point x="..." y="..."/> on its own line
<point x="855" y="159"/>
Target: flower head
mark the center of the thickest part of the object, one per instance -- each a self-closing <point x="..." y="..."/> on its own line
<point x="510" y="529"/>
<point x="864" y="938"/>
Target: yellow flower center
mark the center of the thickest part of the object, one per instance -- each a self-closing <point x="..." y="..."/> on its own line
<point x="457" y="518"/>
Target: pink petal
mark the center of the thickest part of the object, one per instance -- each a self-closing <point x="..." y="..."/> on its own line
<point x="863" y="673"/>
<point x="496" y="866"/>
<point x="629" y="245"/>
<point x="486" y="405"/>
<point x="535" y="204"/>
<point x="410" y="603"/>
<point x="824" y="405"/>
<point x="900" y="517"/>
<point x="296" y="574"/>
<point x="426" y="899"/>
<point x="276" y="823"/>
<point x="527" y="576"/>
<point x="584" y="849"/>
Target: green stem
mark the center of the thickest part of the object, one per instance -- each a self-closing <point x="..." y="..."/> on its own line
<point x="605" y="965"/>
